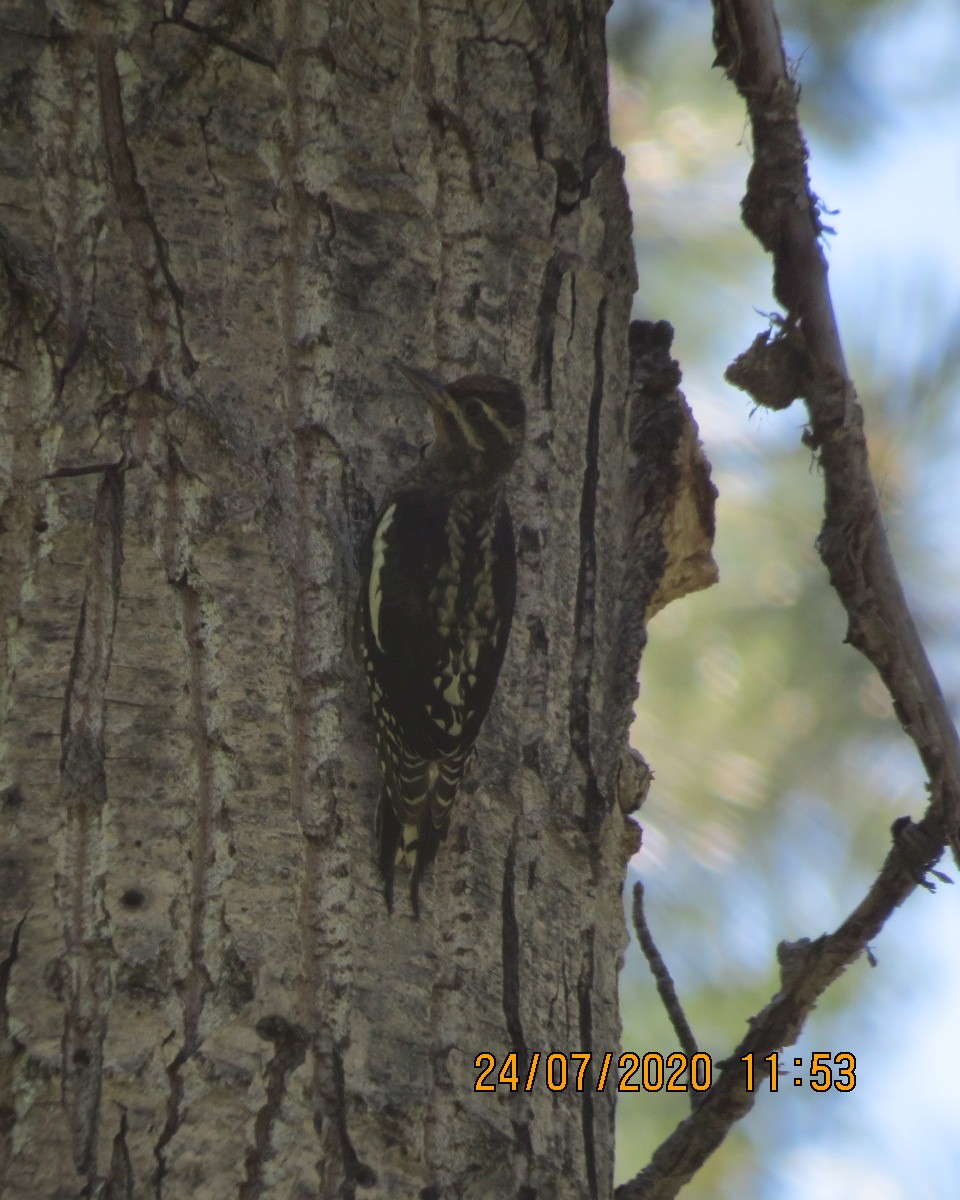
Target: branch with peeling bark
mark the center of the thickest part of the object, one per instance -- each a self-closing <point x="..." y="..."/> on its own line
<point x="783" y="213"/>
<point x="803" y="358"/>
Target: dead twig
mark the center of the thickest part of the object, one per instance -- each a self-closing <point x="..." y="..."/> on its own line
<point x="662" y="977"/>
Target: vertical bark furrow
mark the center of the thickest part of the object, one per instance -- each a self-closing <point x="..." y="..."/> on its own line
<point x="172" y="1121"/>
<point x="542" y="370"/>
<point x="440" y="1136"/>
<point x="457" y="885"/>
<point x="72" y="197"/>
<point x="426" y="83"/>
<point x="119" y="1182"/>
<point x="512" y="1010"/>
<point x="290" y="1049"/>
<point x="8" y="1052"/>
<point x="510" y="938"/>
<point x="83" y="795"/>
<point x="584" y="609"/>
<point x="27" y="390"/>
<point x="585" y="988"/>
<point x="200" y="884"/>
<point x="357" y="1173"/>
<point x="164" y="296"/>
<point x="197" y="983"/>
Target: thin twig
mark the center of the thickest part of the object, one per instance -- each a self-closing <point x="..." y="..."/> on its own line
<point x="662" y="977"/>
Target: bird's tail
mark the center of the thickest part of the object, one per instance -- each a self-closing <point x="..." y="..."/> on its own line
<point x="389" y="833"/>
<point x="414" y="844"/>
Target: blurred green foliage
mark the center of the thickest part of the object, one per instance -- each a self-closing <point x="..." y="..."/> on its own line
<point x="780" y="765"/>
<point x="823" y="36"/>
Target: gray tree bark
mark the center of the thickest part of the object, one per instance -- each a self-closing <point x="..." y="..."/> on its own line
<point x="219" y="224"/>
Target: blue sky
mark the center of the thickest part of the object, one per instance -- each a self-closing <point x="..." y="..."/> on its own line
<point x="895" y="279"/>
<point x="896" y="256"/>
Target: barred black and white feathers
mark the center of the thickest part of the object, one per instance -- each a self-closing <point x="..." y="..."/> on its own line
<point x="434" y="612"/>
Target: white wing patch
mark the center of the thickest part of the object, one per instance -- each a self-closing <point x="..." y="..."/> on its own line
<point x="376" y="568"/>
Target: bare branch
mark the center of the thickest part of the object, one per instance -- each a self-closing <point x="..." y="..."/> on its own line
<point x="807" y="968"/>
<point x="784" y="214"/>
<point x="662" y="977"/>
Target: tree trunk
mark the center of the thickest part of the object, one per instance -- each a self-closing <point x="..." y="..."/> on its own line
<point x="220" y="224"/>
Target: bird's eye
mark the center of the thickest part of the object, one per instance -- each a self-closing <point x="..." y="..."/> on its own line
<point x="473" y="409"/>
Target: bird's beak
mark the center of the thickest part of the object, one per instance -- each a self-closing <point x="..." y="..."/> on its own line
<point x="432" y="389"/>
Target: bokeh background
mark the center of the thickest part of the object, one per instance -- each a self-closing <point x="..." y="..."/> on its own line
<point x="779" y="764"/>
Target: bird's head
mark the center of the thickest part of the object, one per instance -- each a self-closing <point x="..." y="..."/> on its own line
<point x="479" y="420"/>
